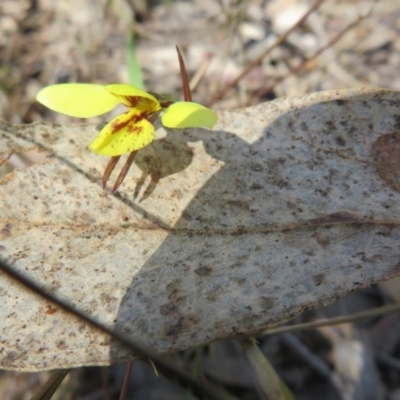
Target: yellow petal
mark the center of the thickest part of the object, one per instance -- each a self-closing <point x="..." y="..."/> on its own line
<point x="123" y="134"/>
<point x="188" y="115"/>
<point x="132" y="97"/>
<point x="81" y="100"/>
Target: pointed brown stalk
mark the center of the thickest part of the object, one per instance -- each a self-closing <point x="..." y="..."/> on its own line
<point x="187" y="94"/>
<point x="109" y="169"/>
<point x="124" y="171"/>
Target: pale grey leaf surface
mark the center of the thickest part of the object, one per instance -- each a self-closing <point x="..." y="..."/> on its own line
<point x="282" y="207"/>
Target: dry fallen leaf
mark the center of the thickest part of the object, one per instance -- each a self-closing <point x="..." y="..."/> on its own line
<point x="283" y="207"/>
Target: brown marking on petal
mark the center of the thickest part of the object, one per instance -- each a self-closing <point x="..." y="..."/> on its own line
<point x="135" y="129"/>
<point x="133" y="101"/>
<point x="140" y="116"/>
<point x="117" y="126"/>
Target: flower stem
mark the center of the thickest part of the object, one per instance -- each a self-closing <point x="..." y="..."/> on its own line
<point x="124" y="171"/>
<point x="109" y="169"/>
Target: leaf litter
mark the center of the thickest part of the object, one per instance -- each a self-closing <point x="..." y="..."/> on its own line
<point x="368" y="53"/>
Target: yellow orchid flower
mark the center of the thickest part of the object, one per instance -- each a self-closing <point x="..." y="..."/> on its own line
<point x="130" y="131"/>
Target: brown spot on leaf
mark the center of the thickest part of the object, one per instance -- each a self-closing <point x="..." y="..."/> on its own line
<point x="318" y="279"/>
<point x="50" y="310"/>
<point x="243" y="205"/>
<point x="340" y="141"/>
<point x="168" y="309"/>
<point x="203" y="271"/>
<point x="323" y="239"/>
<point x="5" y="231"/>
<point x="176" y="193"/>
<point x="386" y="158"/>
<point x="266" y="303"/>
<point x="337" y="217"/>
<point x="184" y="324"/>
<point x="61" y="345"/>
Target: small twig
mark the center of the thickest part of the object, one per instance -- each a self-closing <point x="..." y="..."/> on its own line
<point x="154" y="367"/>
<point x="259" y="59"/>
<point x="263" y="91"/>
<point x="125" y="385"/>
<point x="374" y="312"/>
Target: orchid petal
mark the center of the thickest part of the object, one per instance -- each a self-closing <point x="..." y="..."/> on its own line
<point x="126" y="133"/>
<point x="188" y="115"/>
<point x="81" y="100"/>
<point x="133" y="97"/>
